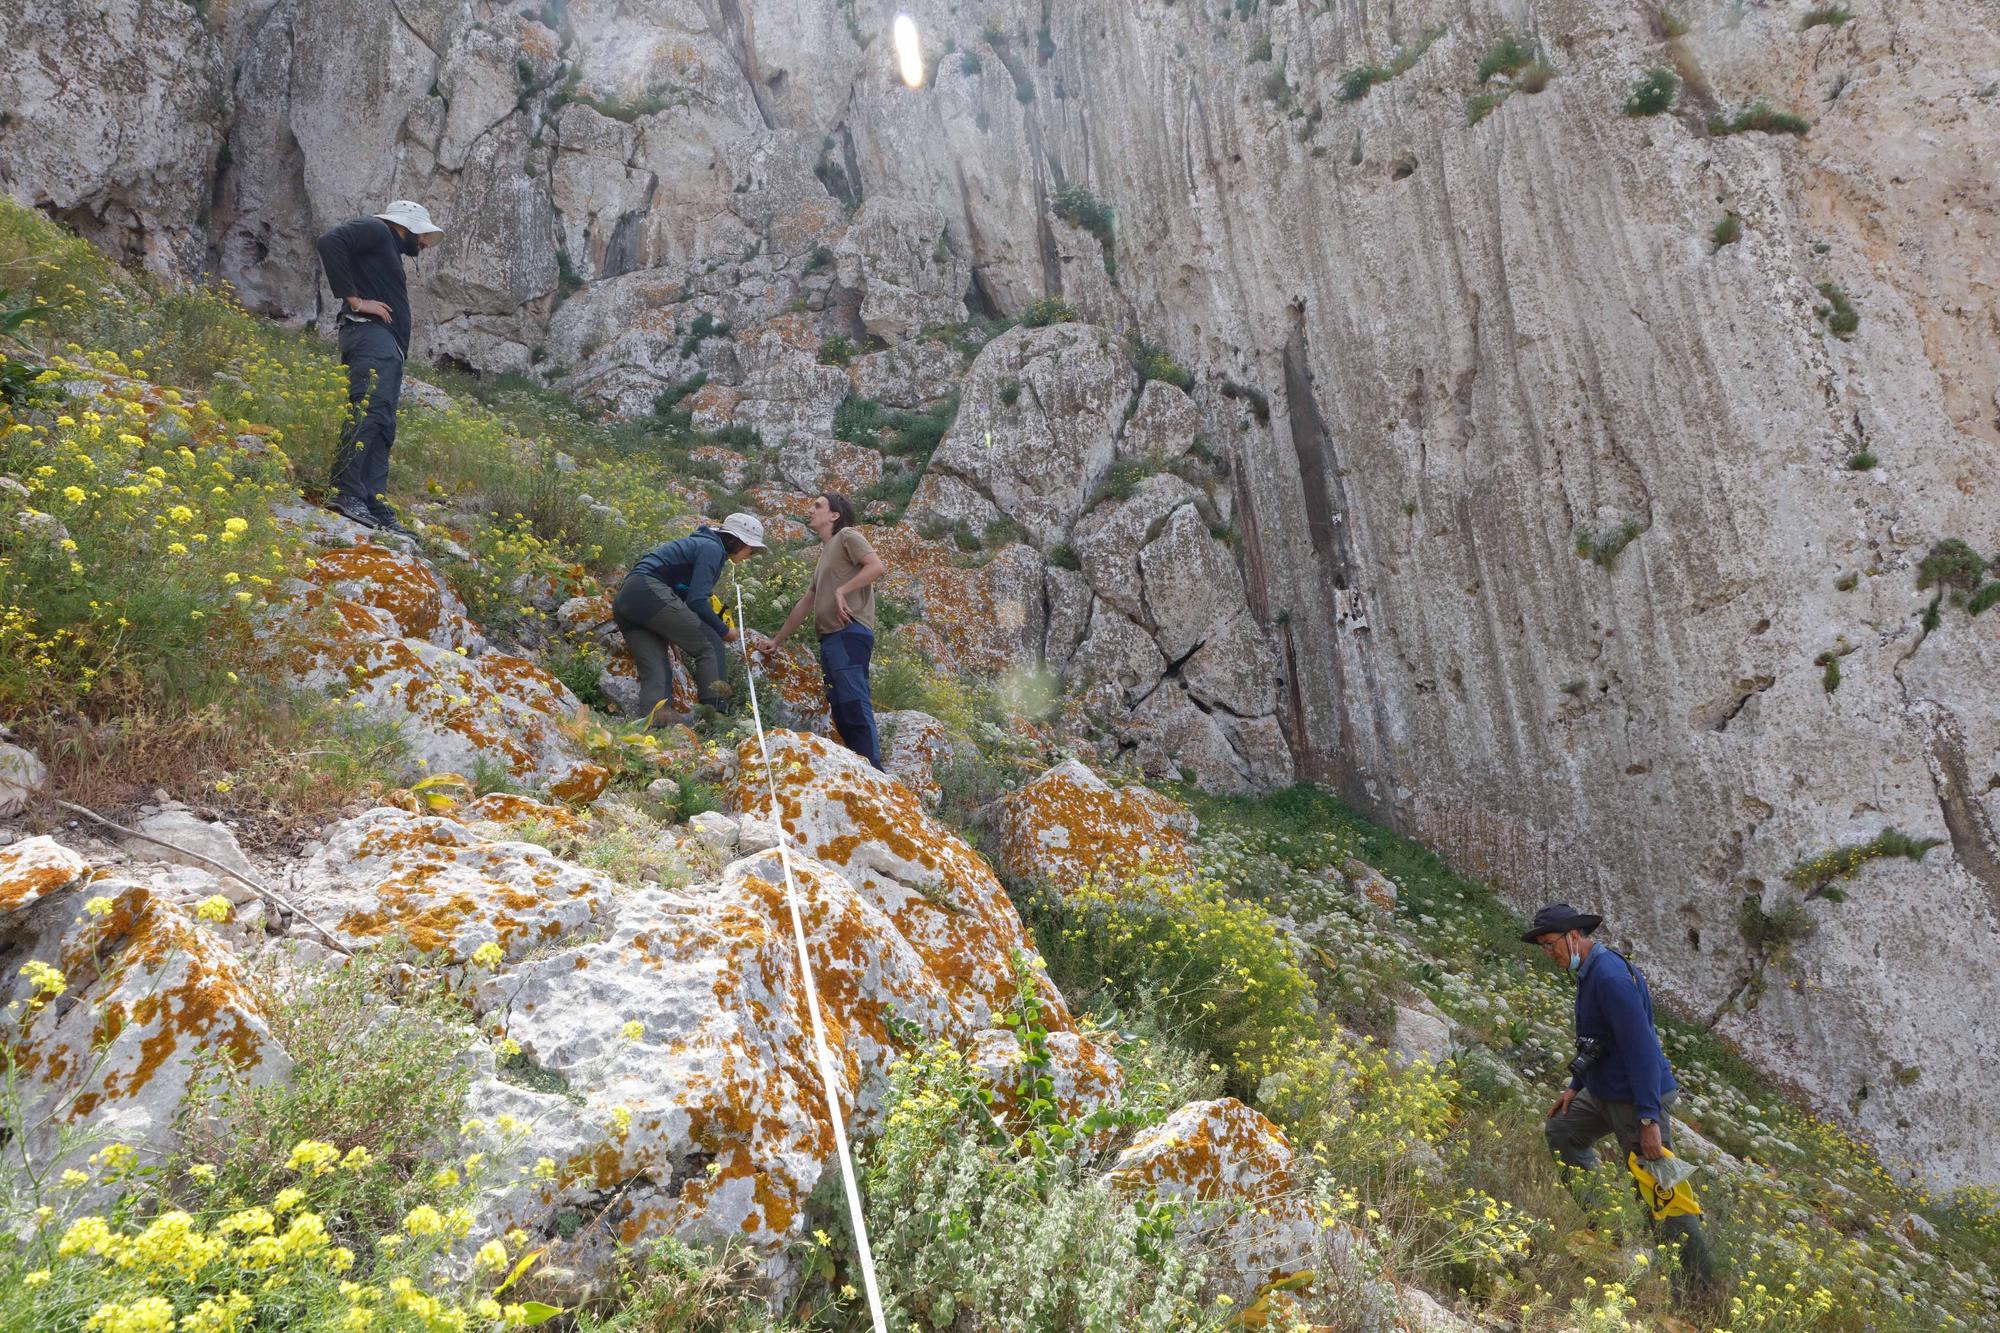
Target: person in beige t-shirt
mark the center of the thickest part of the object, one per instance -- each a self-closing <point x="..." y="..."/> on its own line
<point x="842" y="602"/>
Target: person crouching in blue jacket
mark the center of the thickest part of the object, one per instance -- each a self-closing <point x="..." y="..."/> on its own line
<point x="664" y="600"/>
<point x="1620" y="1080"/>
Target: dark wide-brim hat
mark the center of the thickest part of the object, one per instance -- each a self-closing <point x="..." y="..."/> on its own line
<point x="1560" y="919"/>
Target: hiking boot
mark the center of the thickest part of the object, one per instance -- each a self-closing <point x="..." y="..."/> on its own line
<point x="387" y="518"/>
<point x="354" y="511"/>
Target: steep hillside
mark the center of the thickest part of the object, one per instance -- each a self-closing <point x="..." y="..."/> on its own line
<point x="1562" y="398"/>
<point x="495" y="991"/>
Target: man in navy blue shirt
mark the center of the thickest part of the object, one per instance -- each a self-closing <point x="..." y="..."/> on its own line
<point x="363" y="260"/>
<point x="664" y="600"/>
<point x="1620" y="1081"/>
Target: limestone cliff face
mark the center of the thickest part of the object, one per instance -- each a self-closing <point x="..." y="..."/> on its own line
<point x="1440" y="356"/>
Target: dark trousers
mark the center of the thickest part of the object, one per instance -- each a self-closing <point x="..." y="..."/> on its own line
<point x="374" y="385"/>
<point x="1573" y="1137"/>
<point x="651" y="615"/>
<point x="843" y="659"/>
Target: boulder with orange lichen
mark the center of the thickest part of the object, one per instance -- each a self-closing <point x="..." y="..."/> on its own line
<point x="1083" y="1076"/>
<point x="148" y="993"/>
<point x="455" y="711"/>
<point x="914" y="745"/>
<point x="1069" y="824"/>
<point x="34" y="868"/>
<point x="1233" y="1168"/>
<point x="993" y="616"/>
<point x="445" y="888"/>
<point x="695" y="1104"/>
<point x="937" y="891"/>
<point x="404" y="586"/>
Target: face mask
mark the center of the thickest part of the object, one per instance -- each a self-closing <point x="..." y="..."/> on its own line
<point x="1575" y="962"/>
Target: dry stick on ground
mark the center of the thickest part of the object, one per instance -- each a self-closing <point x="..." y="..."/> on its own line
<point x="266" y="894"/>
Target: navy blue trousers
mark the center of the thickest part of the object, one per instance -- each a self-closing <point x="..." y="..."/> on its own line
<point x="843" y="658"/>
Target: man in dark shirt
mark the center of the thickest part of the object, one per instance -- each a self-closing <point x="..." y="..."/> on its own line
<point x="364" y="266"/>
<point x="1621" y="1083"/>
<point x="665" y="600"/>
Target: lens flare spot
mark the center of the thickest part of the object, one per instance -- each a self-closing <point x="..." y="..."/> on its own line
<point x="909" y="51"/>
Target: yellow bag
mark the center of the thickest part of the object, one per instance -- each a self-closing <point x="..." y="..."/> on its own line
<point x="715" y="605"/>
<point x="1663" y="1185"/>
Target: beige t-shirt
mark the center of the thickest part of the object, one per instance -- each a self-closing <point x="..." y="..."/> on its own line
<point x="840" y="560"/>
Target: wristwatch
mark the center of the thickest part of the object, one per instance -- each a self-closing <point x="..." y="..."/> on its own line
<point x="1647" y="1120"/>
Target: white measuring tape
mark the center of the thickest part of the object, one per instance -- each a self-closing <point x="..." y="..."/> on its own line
<point x="812" y="988"/>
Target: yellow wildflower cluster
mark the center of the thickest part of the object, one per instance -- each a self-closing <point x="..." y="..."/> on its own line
<point x="144" y="545"/>
<point x="1219" y="966"/>
<point x="271" y="1265"/>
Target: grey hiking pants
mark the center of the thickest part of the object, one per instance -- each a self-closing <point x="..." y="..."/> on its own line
<point x="651" y="615"/>
<point x="1573" y="1137"/>
<point x="374" y="387"/>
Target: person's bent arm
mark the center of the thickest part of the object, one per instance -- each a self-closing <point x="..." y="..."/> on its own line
<point x="871" y="569"/>
<point x="336" y="255"/>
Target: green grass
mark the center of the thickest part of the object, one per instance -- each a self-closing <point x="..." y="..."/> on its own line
<point x="1951" y="564"/>
<point x="1481" y="105"/>
<point x="1357" y="82"/>
<point x="1815" y="876"/>
<point x="1048" y="310"/>
<point x="1759" y="118"/>
<point x="1076" y="205"/>
<point x="1828" y="16"/>
<point x="1842" y="319"/>
<point x="1654" y="92"/>
<point x="1603" y="549"/>
<point x="1726" y="232"/>
<point x="1509" y="55"/>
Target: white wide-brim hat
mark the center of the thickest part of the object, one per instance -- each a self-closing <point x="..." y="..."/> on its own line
<point x="411" y="217"/>
<point x="746" y="528"/>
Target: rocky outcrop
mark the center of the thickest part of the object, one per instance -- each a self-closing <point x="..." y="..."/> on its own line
<point x="115" y="996"/>
<point x="115" y="118"/>
<point x="384" y="633"/>
<point x="1233" y="1169"/>
<point x="1541" y="496"/>
<point x="1069" y="825"/>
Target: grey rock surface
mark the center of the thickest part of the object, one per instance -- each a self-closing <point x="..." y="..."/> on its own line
<point x="1437" y="358"/>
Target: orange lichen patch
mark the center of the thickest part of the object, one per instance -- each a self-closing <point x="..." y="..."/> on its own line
<point x="936" y="890"/>
<point x="1208" y="1150"/>
<point x="537" y="41"/>
<point x="713" y="406"/>
<point x="771" y="498"/>
<point x="456" y="711"/>
<point x="580" y="615"/>
<point x="583" y="784"/>
<point x="387" y="580"/>
<point x="155" y="990"/>
<point x="799" y="682"/>
<point x="1069" y="824"/>
<point x="794" y="328"/>
<point x="507" y="808"/>
<point x="33" y="869"/>
<point x="1228" y="1157"/>
<point x="445" y="889"/>
<point x="966" y="605"/>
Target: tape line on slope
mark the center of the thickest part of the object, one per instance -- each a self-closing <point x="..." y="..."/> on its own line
<point x="826" y="1078"/>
